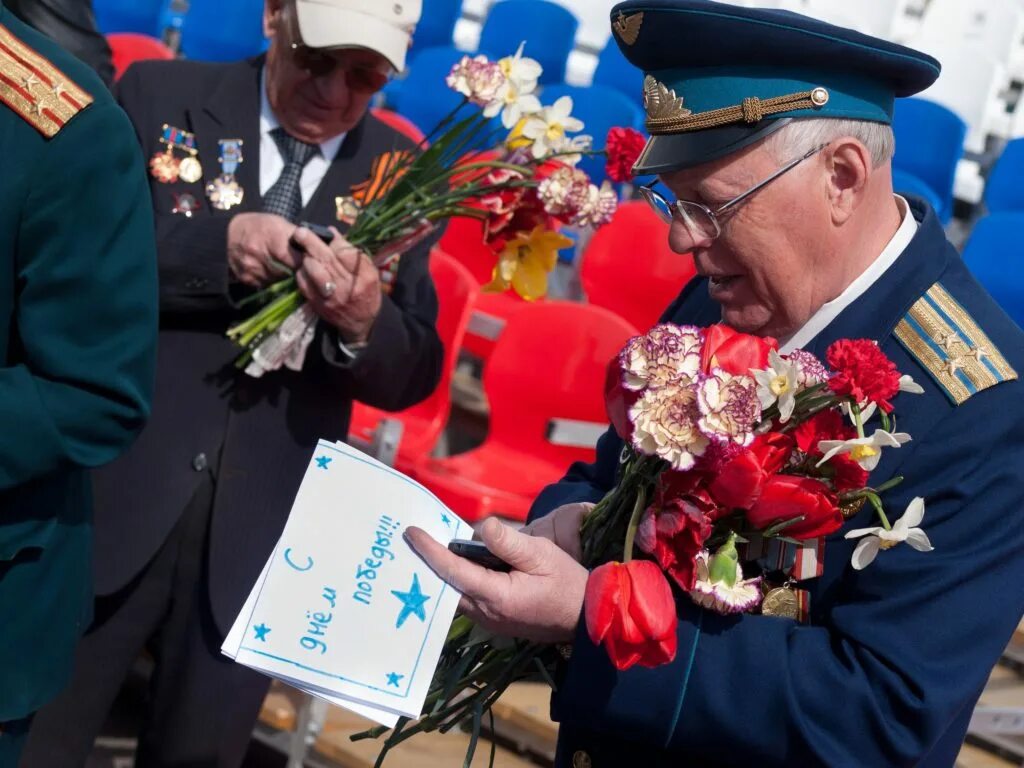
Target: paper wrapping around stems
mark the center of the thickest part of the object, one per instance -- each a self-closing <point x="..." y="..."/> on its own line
<point x="287" y="345"/>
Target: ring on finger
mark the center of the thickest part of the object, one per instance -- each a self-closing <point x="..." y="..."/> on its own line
<point x="328" y="289"/>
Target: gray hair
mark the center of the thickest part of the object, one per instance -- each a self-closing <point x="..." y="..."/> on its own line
<point x="801" y="136"/>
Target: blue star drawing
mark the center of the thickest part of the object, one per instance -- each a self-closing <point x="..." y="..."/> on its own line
<point x="261" y="632"/>
<point x="393" y="679"/>
<point x="412" y="602"/>
<point x="323" y="461"/>
<point x="446" y="520"/>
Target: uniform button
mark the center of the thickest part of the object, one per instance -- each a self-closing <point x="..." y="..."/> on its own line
<point x="201" y="282"/>
<point x="199" y="462"/>
<point x="581" y="759"/>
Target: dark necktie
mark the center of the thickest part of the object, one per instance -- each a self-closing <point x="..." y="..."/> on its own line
<point x="285" y="196"/>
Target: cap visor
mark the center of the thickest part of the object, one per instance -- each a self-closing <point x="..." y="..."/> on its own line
<point x="325" y="26"/>
<point x="674" y="152"/>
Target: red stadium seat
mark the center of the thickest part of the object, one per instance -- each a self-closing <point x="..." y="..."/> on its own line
<point x="422" y="424"/>
<point x="464" y="239"/>
<point x="544" y="382"/>
<point x="402" y="124"/>
<point x="629" y="268"/>
<point x="129" y="47"/>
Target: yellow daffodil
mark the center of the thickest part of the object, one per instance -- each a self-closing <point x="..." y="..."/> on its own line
<point x="516" y="139"/>
<point x="525" y="262"/>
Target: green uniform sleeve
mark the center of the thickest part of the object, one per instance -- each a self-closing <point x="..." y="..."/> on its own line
<point x="77" y="385"/>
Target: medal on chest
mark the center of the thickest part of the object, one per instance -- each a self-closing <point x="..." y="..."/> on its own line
<point x="167" y="167"/>
<point x="224" y="192"/>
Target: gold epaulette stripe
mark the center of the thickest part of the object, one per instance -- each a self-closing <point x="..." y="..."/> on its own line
<point x="951" y="346"/>
<point x="35" y="89"/>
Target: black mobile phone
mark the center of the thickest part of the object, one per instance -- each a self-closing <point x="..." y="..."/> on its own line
<point x="324" y="233"/>
<point x="477" y="552"/>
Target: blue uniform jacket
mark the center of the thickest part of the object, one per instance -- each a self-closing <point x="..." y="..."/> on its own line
<point x="889" y="667"/>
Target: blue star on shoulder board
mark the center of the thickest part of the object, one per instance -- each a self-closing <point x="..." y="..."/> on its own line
<point x="323" y="461"/>
<point x="261" y="632"/>
<point x="412" y="602"/>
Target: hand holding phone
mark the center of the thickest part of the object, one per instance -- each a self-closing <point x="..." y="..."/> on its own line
<point x="477" y="552"/>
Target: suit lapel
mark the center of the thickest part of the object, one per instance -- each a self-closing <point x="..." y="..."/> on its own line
<point x="232" y="112"/>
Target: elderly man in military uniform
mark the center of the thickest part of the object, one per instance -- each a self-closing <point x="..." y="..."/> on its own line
<point x="240" y="154"/>
<point x="771" y="132"/>
<point x="78" y="323"/>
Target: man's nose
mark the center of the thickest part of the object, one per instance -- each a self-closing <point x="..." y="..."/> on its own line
<point x="333" y="85"/>
<point x="682" y="238"/>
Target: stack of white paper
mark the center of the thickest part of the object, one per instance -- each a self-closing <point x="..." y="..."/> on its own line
<point x="344" y="608"/>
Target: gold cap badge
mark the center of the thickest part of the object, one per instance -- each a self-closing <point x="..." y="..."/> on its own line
<point x="628" y="27"/>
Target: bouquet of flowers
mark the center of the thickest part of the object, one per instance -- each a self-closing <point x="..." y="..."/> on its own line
<point x="730" y="448"/>
<point x="500" y="157"/>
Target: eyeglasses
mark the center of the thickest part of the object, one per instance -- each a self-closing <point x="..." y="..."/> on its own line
<point x="359" y="76"/>
<point x="700" y="221"/>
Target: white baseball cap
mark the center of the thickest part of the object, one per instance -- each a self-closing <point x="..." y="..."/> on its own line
<point x="384" y="26"/>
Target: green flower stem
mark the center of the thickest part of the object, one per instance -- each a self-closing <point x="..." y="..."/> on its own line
<point x="634" y="522"/>
<point x="877" y="504"/>
<point x="857" y="419"/>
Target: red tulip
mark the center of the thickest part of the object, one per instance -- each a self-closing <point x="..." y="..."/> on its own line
<point x="630" y="611"/>
<point x="733" y="351"/>
<point x="786" y="497"/>
<point x="673" y="531"/>
<point x="738" y="484"/>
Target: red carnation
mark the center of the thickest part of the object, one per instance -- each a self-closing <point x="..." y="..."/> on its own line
<point x="674" y="531"/>
<point x="849" y="475"/>
<point x="623" y="146"/>
<point x="826" y="425"/>
<point x="629" y="609"/>
<point x="863" y="372"/>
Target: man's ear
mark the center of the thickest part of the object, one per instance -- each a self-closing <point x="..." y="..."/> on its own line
<point x="272" y="11"/>
<point x="849" y="167"/>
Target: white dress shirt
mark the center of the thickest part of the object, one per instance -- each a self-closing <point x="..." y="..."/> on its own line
<point x="272" y="162"/>
<point x="830" y="310"/>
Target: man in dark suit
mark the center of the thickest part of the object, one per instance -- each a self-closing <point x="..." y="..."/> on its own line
<point x="78" y="329"/>
<point x="771" y="131"/>
<point x="187" y="519"/>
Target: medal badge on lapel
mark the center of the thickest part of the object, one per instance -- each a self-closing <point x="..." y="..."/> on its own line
<point x="225" y="192"/>
<point x="166" y="167"/>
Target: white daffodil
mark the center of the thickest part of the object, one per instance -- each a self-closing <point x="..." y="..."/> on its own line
<point x="866" y="451"/>
<point x="905" y="529"/>
<point x="548" y="127"/>
<point x="521" y="69"/>
<point x="514" y="98"/>
<point x="778" y="384"/>
<point x="867" y="410"/>
<point x="907" y="384"/>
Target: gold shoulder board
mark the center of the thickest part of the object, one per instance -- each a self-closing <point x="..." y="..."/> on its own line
<point x="951" y="347"/>
<point x="35" y="89"/>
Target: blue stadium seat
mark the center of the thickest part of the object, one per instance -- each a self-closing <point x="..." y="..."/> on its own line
<point x="615" y="71"/>
<point x="437" y="24"/>
<point x="548" y="29"/>
<point x="128" y="16"/>
<point x="600" y="108"/>
<point x="422" y="95"/>
<point x="904" y="183"/>
<point x="992" y="254"/>
<point x="223" y="30"/>
<point x="929" y="144"/>
<point x="1004" y="190"/>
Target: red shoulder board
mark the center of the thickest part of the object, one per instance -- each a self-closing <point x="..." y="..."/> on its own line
<point x="39" y="92"/>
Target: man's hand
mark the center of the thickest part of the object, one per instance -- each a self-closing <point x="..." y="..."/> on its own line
<point x="255" y="242"/>
<point x="340" y="282"/>
<point x="562" y="526"/>
<point x="540" y="599"/>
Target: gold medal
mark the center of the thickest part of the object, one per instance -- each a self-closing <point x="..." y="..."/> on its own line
<point x="190" y="169"/>
<point x="224" y="192"/>
<point x="164" y="167"/>
<point x="781" y="602"/>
